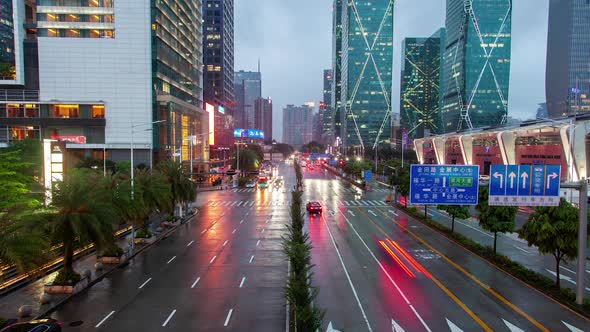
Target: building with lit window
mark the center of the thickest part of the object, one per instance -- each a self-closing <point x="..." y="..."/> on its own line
<point x="326" y="110"/>
<point x="420" y="84"/>
<point x="567" y="82"/>
<point x="338" y="116"/>
<point x="98" y="73"/>
<point x="263" y="117"/>
<point x="476" y="70"/>
<point x="218" y="60"/>
<point x="248" y="88"/>
<point x="366" y="67"/>
<point x="298" y="124"/>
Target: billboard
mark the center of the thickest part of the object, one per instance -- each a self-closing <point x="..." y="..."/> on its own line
<point x="248" y="133"/>
<point x="211" y="110"/>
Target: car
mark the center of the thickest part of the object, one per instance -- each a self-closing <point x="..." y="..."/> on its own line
<point x="251" y="184"/>
<point x="40" y="325"/>
<point x="314" y="207"/>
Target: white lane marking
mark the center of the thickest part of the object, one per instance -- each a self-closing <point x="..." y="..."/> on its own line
<point x="105" y="319"/>
<point x="203" y="232"/>
<point x="331" y="329"/>
<point x="262" y="230"/>
<point x="212" y="260"/>
<point x="453" y="327"/>
<point x="145" y="283"/>
<point x="225" y="243"/>
<point x="234" y="203"/>
<point x="267" y="220"/>
<point x="242" y="221"/>
<point x="242" y="282"/>
<point x="393" y="212"/>
<point x="352" y="213"/>
<point x="395" y="327"/>
<point x="169" y="318"/>
<point x="373" y="213"/>
<point x="189" y="244"/>
<point x="568" y="270"/>
<point x="171" y="259"/>
<point x="234" y="231"/>
<point x="251" y="203"/>
<point x="257" y="243"/>
<point x="420" y="318"/>
<point x="385" y="271"/>
<point x="371" y="203"/>
<point x="228" y="317"/>
<point x="196" y="282"/>
<point x="523" y="250"/>
<point x="570" y="327"/>
<point x="476" y="229"/>
<point x="512" y="327"/>
<point x="358" y="301"/>
<point x="566" y="278"/>
<point x="240" y="203"/>
<point x="251" y="258"/>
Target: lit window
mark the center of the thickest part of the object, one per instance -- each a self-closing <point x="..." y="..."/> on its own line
<point x="13" y="111"/>
<point x="72" y="18"/>
<point x="52" y="33"/>
<point x="98" y="111"/>
<point x="72" y="33"/>
<point x="66" y="111"/>
<point x="94" y="34"/>
<point x="52" y="17"/>
<point x="31" y="111"/>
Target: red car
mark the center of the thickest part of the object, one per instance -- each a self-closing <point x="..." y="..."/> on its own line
<point x="314" y="207"/>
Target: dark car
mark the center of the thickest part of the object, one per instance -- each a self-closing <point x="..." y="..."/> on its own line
<point x="40" y="325"/>
<point x="314" y="207"/>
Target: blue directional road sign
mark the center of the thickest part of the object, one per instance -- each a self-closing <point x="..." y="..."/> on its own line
<point x="524" y="185"/>
<point x="368" y="175"/>
<point x="444" y="184"/>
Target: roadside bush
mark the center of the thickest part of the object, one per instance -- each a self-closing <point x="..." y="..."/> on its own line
<point x="113" y="251"/>
<point x="2" y="322"/>
<point x="143" y="233"/>
<point x="242" y="182"/>
<point x="64" y="278"/>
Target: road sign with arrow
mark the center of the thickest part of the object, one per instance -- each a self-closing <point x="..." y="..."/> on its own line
<point x="524" y="185"/>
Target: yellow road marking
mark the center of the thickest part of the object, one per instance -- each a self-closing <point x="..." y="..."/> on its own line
<point x="441" y="286"/>
<point x="479" y="282"/>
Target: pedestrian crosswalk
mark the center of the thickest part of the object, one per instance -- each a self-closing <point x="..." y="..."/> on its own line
<point x="348" y="190"/>
<point x="252" y="203"/>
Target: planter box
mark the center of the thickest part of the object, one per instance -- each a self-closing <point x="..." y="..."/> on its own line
<point x="148" y="240"/>
<point x="111" y="260"/>
<point x="57" y="289"/>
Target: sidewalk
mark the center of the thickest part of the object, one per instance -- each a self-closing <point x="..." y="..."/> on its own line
<point x="32" y="292"/>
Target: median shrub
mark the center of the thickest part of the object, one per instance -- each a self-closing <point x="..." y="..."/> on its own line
<point x="65" y="278"/>
<point x="113" y="251"/>
<point x="143" y="233"/>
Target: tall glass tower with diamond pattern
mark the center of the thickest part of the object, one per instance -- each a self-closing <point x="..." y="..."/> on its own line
<point x="476" y="64"/>
<point x="366" y="72"/>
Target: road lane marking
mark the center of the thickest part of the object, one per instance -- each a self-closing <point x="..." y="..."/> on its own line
<point x="169" y="318"/>
<point x="453" y="327"/>
<point x="203" y="232"/>
<point x="571" y="327"/>
<point x="225" y="243"/>
<point x="267" y="220"/>
<point x="105" y="319"/>
<point x="465" y="272"/>
<point x="257" y="243"/>
<point x="358" y="301"/>
<point x="242" y="282"/>
<point x="262" y="230"/>
<point x="521" y="249"/>
<point x="351" y="213"/>
<point x="240" y="203"/>
<point x="234" y="203"/>
<point x="234" y="231"/>
<point x="512" y="327"/>
<point x="395" y="326"/>
<point x="212" y="260"/>
<point x="145" y="283"/>
<point x="189" y="244"/>
<point x="420" y="318"/>
<point x="228" y="317"/>
<point x="241" y="221"/>
<point x="392" y="212"/>
<point x="251" y="258"/>
<point x="171" y="259"/>
<point x="373" y="213"/>
<point x="196" y="282"/>
<point x="568" y="270"/>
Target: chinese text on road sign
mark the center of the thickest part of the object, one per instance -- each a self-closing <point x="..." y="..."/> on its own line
<point x="444" y="184"/>
<point x="524" y="185"/>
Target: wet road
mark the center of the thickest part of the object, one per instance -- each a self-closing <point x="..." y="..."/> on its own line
<point x="224" y="270"/>
<point x="378" y="270"/>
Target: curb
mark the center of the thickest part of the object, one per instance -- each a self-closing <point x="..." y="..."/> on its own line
<point x="163" y="235"/>
<point x="354" y="183"/>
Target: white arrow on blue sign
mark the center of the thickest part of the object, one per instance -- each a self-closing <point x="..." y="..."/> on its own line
<point x="524" y="185"/>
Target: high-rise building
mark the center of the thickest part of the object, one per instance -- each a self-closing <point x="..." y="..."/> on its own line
<point x="366" y="72"/>
<point x="98" y="73"/>
<point x="218" y="61"/>
<point x="420" y="84"/>
<point x="476" y="69"/>
<point x="263" y="117"/>
<point x="298" y="124"/>
<point x="248" y="88"/>
<point x="326" y="111"/>
<point x="338" y="116"/>
<point x="567" y="82"/>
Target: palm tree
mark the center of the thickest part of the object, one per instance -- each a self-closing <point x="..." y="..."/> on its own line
<point x="182" y="187"/>
<point x="22" y="243"/>
<point x="155" y="195"/>
<point x="81" y="211"/>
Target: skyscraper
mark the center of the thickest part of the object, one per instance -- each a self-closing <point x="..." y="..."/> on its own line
<point x="366" y="69"/>
<point x="420" y="84"/>
<point x="567" y="82"/>
<point x="263" y="117"/>
<point x="326" y="110"/>
<point x="338" y="116"/>
<point x="297" y="125"/>
<point x="218" y="60"/>
<point x="476" y="67"/>
<point x="248" y="88"/>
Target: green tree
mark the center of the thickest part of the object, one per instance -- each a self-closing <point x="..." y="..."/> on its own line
<point x="313" y="147"/>
<point x="283" y="148"/>
<point x="182" y="187"/>
<point x="14" y="183"/>
<point x="23" y="243"/>
<point x="98" y="164"/>
<point x="249" y="160"/>
<point x="495" y="219"/>
<point x="554" y="230"/>
<point x="401" y="181"/>
<point x="455" y="211"/>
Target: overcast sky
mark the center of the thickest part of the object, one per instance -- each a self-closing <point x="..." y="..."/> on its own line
<point x="293" y="40"/>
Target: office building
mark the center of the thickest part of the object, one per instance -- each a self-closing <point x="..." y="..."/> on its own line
<point x="326" y="111"/>
<point x="218" y="60"/>
<point x="263" y="117"/>
<point x="248" y="88"/>
<point x="366" y="72"/>
<point x="338" y="116"/>
<point x="567" y="82"/>
<point x="100" y="72"/>
<point x="298" y="124"/>
<point x="476" y="69"/>
<point x="420" y="84"/>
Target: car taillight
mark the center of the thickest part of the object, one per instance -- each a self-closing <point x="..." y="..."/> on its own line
<point x="59" y="323"/>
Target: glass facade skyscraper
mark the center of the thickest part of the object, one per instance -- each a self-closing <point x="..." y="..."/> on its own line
<point x="338" y="116"/>
<point x="567" y="81"/>
<point x="248" y="88"/>
<point x="366" y="69"/>
<point x="420" y="84"/>
<point x="476" y="69"/>
<point x="326" y="110"/>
